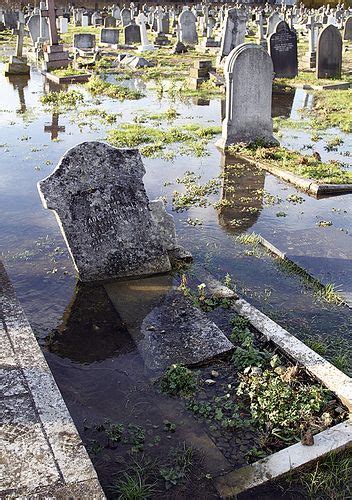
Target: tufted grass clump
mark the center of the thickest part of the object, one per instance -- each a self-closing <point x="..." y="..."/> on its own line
<point x="65" y="100"/>
<point x="98" y="87"/>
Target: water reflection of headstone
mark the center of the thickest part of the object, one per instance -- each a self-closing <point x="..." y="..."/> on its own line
<point x="242" y="191"/>
<point x="54" y="128"/>
<point x="19" y="83"/>
<point x="91" y="329"/>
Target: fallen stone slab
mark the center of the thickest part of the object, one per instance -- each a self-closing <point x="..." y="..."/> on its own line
<point x="177" y="332"/>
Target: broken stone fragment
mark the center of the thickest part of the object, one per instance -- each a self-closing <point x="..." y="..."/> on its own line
<point x="210" y="381"/>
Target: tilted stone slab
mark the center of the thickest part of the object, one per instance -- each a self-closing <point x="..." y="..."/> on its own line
<point x="98" y="196"/>
<point x="177" y="332"/>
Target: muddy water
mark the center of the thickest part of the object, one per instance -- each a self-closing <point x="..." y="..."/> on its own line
<point x="93" y="357"/>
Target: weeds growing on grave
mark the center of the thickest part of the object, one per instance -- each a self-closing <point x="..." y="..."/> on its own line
<point x="304" y="166"/>
<point x="178" y="381"/>
<point x="98" y="87"/>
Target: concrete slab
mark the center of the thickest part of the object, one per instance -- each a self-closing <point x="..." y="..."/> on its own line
<point x="42" y="446"/>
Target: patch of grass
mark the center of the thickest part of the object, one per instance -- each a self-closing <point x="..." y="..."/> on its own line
<point x="330" y="478"/>
<point x="154" y="139"/>
<point x="195" y="194"/>
<point x="180" y="464"/>
<point x="102" y="115"/>
<point x="248" y="239"/>
<point x="98" y="87"/>
<point x="179" y="381"/>
<point x="70" y="71"/>
<point x="133" y="487"/>
<point x="332" y="109"/>
<point x="64" y="100"/>
<point x="169" y="115"/>
<point x="304" y="166"/>
<point x="317" y="345"/>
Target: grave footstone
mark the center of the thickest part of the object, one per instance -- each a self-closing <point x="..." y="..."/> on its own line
<point x="248" y="74"/>
<point x="98" y="196"/>
<point x="283" y="51"/>
<point x="329" y="53"/>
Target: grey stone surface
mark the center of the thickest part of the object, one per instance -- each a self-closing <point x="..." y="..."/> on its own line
<point x="329" y="53"/>
<point x="187" y="23"/>
<point x="42" y="448"/>
<point x="98" y="194"/>
<point x="109" y="36"/>
<point x="132" y="34"/>
<point x="248" y="73"/>
<point x="347" y="30"/>
<point x="84" y="41"/>
<point x="177" y="332"/>
<point x="233" y="32"/>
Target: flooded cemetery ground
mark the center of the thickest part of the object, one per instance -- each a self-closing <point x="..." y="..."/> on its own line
<point x="177" y="434"/>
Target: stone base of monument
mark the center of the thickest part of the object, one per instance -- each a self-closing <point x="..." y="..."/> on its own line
<point x="199" y="74"/>
<point x="161" y="39"/>
<point x="312" y="57"/>
<point x="17" y="66"/>
<point x="210" y="42"/>
<point x="56" y="57"/>
<point x="66" y="79"/>
<point x="146" y="48"/>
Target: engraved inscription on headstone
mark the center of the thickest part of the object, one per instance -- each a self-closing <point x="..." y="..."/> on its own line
<point x="283" y="51"/>
<point x="98" y="196"/>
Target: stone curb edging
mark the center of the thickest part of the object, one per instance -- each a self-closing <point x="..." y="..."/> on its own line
<point x="333" y="439"/>
<point x="69" y="454"/>
<point x="308" y="185"/>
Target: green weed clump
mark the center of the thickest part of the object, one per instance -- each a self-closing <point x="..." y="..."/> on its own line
<point x="308" y="167"/>
<point x="70" y="71"/>
<point x="65" y="100"/>
<point x="193" y="138"/>
<point x="280" y="401"/>
<point x="195" y="194"/>
<point x="96" y="86"/>
<point x="179" y="381"/>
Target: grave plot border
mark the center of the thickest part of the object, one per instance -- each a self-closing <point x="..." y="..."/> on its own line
<point x="292" y="458"/>
<point x="83" y="78"/>
<point x="310" y="186"/>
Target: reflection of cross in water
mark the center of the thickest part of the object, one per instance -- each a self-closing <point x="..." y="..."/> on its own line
<point x="54" y="128"/>
<point x="306" y="100"/>
<point x="19" y="83"/>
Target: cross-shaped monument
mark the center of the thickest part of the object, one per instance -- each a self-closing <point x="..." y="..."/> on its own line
<point x="312" y="26"/>
<point x="17" y="64"/>
<point x="55" y="55"/>
<point x="145" y="45"/>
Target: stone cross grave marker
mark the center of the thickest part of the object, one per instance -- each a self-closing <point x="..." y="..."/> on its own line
<point x="17" y="64"/>
<point x="283" y="51"/>
<point x="99" y="199"/>
<point x="145" y="45"/>
<point x="55" y="56"/>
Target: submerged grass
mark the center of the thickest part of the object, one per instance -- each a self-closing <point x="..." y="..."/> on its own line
<point x="98" y="87"/>
<point x="154" y="139"/>
<point x="64" y="100"/>
<point x="309" y="167"/>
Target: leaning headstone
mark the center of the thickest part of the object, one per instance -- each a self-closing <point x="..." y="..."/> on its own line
<point x="248" y="73"/>
<point x="283" y="51"/>
<point x="329" y="53"/>
<point x="34" y="28"/>
<point x="347" y="31"/>
<point x="234" y="31"/>
<point x="132" y="34"/>
<point x="98" y="195"/>
<point x="273" y="19"/>
<point x="109" y="36"/>
<point x="188" y="30"/>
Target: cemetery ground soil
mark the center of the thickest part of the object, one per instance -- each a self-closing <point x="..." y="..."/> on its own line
<point x="102" y="377"/>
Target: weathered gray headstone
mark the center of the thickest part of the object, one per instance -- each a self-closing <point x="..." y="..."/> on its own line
<point x="283" y="51"/>
<point x="126" y="17"/>
<point x="248" y="74"/>
<point x="109" y="22"/>
<point x="347" y="31"/>
<point x="98" y="196"/>
<point x="273" y="19"/>
<point x="109" y="36"/>
<point x="233" y="33"/>
<point x="187" y="22"/>
<point x="132" y="34"/>
<point x="329" y="53"/>
<point x="84" y="41"/>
